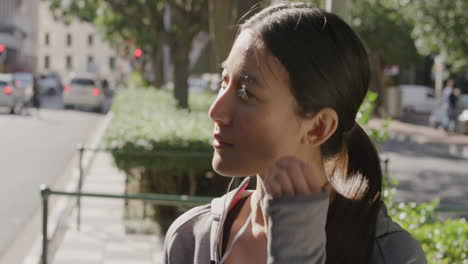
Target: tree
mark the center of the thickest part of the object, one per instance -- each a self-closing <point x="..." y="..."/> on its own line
<point x="440" y="28"/>
<point x="143" y="21"/>
<point x="118" y="29"/>
<point x="386" y="34"/>
<point x="187" y="22"/>
<point x="118" y="23"/>
<point x="384" y="31"/>
<point x="223" y="20"/>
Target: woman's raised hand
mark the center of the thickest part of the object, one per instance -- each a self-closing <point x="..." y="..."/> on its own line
<point x="290" y="176"/>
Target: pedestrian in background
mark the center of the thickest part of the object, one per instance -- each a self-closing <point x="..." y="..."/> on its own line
<point x="36" y="99"/>
<point x="450" y="101"/>
<point x="458" y="107"/>
<point x="290" y="92"/>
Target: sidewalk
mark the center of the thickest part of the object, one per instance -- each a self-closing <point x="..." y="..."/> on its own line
<point x="432" y="139"/>
<point x="102" y="238"/>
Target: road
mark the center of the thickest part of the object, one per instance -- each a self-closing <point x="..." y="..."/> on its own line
<point x="425" y="174"/>
<point x="36" y="148"/>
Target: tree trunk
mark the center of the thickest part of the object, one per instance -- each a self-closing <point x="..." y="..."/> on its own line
<point x="223" y="20"/>
<point x="220" y="20"/>
<point x="193" y="182"/>
<point x="181" y="74"/>
<point x="377" y="79"/>
<point x="157" y="61"/>
<point x="439" y="75"/>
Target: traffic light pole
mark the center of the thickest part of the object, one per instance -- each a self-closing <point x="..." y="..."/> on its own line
<point x="3" y="52"/>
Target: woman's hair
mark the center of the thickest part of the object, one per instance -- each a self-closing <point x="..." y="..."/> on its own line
<point x="328" y="67"/>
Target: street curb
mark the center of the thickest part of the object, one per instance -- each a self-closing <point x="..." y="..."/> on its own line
<point x="64" y="205"/>
<point x="428" y="139"/>
<point x="457" y="150"/>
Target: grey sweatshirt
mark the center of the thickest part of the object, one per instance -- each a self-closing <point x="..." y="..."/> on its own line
<point x="196" y="236"/>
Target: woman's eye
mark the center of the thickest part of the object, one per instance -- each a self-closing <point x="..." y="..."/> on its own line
<point x="243" y="93"/>
<point x="223" y="84"/>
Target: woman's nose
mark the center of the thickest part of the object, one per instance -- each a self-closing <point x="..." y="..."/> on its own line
<point x="220" y="110"/>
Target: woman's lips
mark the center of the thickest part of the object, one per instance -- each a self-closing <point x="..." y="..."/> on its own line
<point x="219" y="143"/>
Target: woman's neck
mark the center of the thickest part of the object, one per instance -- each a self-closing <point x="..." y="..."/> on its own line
<point x="259" y="215"/>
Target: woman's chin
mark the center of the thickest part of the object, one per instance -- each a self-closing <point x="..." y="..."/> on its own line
<point x="227" y="169"/>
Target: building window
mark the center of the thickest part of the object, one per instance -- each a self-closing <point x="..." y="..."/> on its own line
<point x="47" y="62"/>
<point x="90" y="40"/>
<point x="69" y="39"/>
<point x="91" y="65"/>
<point x="112" y="63"/>
<point x="47" y="39"/>
<point x="69" y="63"/>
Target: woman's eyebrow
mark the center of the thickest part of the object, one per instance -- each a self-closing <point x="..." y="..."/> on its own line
<point x="250" y="78"/>
<point x="245" y="75"/>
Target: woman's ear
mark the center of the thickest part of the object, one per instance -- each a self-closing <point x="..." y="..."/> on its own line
<point x="320" y="127"/>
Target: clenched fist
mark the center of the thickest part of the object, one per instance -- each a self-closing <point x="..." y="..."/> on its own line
<point x="291" y="177"/>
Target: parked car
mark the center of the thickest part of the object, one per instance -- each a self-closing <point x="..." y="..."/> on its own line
<point x="10" y="95"/>
<point x="462" y="124"/>
<point x="49" y="83"/>
<point x="24" y="81"/>
<point x="438" y="114"/>
<point x="417" y="98"/>
<point x="84" y="90"/>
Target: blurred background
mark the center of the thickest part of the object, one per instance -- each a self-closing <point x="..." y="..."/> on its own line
<point x="111" y="97"/>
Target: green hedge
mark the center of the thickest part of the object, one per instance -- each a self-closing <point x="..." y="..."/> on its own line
<point x="443" y="242"/>
<point x="147" y="121"/>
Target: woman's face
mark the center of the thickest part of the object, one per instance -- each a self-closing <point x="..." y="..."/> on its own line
<point x="254" y="115"/>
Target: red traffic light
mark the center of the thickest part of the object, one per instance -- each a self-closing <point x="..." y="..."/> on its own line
<point x="137" y="53"/>
<point x="2" y="48"/>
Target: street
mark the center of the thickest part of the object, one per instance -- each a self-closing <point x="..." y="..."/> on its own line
<point x="426" y="174"/>
<point x="36" y="149"/>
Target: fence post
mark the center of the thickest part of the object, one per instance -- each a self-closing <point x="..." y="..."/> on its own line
<point x="45" y="191"/>
<point x="386" y="161"/>
<point x="80" y="185"/>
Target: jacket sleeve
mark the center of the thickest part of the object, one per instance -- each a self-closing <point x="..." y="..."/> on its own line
<point x="297" y="229"/>
<point x="398" y="247"/>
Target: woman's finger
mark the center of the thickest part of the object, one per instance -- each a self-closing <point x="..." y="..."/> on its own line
<point x="297" y="176"/>
<point x="284" y="180"/>
<point x="272" y="186"/>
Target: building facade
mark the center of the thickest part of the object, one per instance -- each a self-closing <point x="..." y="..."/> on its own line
<point x="76" y="47"/>
<point x="18" y="25"/>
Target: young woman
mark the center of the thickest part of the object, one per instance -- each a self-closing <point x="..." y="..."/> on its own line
<point x="291" y="89"/>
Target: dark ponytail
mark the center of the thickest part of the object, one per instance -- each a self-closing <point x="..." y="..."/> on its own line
<point x="328" y="67"/>
<point x="352" y="214"/>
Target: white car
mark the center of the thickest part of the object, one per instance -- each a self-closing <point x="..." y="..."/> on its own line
<point x="84" y="90"/>
<point x="10" y="95"/>
<point x="417" y="98"/>
<point x="25" y="82"/>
